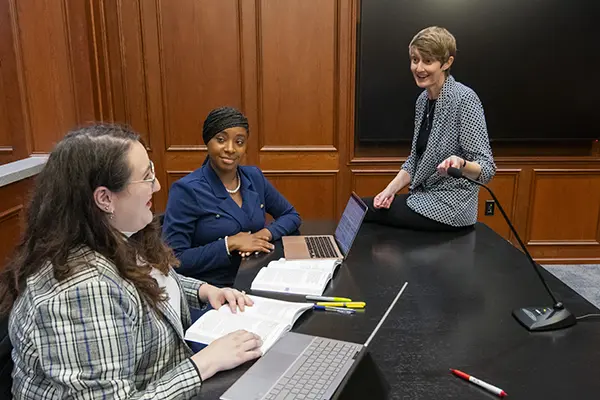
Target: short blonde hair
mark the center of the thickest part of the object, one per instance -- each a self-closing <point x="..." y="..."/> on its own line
<point x="435" y="43"/>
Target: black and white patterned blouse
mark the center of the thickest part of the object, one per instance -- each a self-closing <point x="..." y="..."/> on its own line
<point x="458" y="129"/>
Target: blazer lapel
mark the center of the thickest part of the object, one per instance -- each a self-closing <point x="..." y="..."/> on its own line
<point x="163" y="306"/>
<point x="426" y="167"/>
<point x="227" y="204"/>
<point x="419" y="112"/>
<point x="171" y="317"/>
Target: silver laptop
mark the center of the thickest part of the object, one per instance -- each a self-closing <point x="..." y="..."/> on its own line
<point x="328" y="246"/>
<point x="301" y="366"/>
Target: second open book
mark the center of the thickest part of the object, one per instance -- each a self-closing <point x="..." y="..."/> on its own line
<point x="296" y="276"/>
<point x="268" y="318"/>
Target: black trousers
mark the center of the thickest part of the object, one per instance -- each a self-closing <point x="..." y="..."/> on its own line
<point x="400" y="215"/>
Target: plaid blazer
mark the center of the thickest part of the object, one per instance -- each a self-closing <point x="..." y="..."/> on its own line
<point x="92" y="336"/>
<point x="458" y="129"/>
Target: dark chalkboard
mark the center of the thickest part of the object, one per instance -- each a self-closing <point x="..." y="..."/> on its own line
<point x="535" y="65"/>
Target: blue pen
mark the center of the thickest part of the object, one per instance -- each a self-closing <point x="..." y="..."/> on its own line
<point x="335" y="309"/>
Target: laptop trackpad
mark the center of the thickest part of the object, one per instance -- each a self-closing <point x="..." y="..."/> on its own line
<point x="274" y="363"/>
<point x="283" y="354"/>
<point x="256" y="382"/>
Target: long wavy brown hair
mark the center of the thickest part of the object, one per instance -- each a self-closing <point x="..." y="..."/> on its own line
<point x="62" y="216"/>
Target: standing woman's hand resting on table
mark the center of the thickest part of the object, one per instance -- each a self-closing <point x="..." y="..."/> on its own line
<point x="247" y="243"/>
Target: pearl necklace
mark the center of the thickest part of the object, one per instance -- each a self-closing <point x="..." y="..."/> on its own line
<point x="234" y="191"/>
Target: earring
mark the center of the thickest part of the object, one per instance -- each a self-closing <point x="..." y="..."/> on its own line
<point x="111" y="214"/>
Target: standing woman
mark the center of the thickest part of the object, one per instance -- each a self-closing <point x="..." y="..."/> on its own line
<point x="217" y="214"/>
<point x="450" y="131"/>
<point x="96" y="311"/>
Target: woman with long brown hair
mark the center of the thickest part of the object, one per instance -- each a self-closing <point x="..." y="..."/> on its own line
<point x="96" y="307"/>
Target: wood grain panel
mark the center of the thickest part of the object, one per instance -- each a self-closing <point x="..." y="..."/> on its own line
<point x="12" y="199"/>
<point x="13" y="131"/>
<point x="505" y="186"/>
<point x="6" y="54"/>
<point x="297" y="42"/>
<point x="78" y="29"/>
<point x="47" y="70"/>
<point x="127" y="88"/>
<point x="368" y="183"/>
<point x="565" y="207"/>
<point x="201" y="66"/>
<point x="5" y="129"/>
<point x="299" y="160"/>
<point x="172" y="177"/>
<point x="10" y="230"/>
<point x="312" y="193"/>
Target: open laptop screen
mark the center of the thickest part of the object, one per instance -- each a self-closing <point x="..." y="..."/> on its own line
<point x="350" y="223"/>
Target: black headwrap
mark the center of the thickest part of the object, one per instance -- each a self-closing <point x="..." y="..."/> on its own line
<point x="220" y="119"/>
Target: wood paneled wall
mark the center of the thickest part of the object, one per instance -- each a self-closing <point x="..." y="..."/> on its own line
<point x="46" y="84"/>
<point x="285" y="63"/>
<point x="290" y="66"/>
<point x="13" y="199"/>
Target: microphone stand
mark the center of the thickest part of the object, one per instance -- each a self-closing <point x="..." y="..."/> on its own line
<point x="543" y="318"/>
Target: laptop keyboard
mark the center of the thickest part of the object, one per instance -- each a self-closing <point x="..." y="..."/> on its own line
<point x="314" y="370"/>
<point x="320" y="247"/>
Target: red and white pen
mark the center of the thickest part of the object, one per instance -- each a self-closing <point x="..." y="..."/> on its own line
<point x="491" y="388"/>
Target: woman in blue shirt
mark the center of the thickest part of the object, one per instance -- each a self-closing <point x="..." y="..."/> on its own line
<point x="216" y="215"/>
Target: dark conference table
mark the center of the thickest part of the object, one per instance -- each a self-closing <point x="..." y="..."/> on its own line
<point x="454" y="313"/>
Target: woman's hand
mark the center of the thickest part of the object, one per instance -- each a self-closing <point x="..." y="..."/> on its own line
<point x="227" y="352"/>
<point x="247" y="243"/>
<point x="384" y="199"/>
<point x="452" y="161"/>
<point x="218" y="297"/>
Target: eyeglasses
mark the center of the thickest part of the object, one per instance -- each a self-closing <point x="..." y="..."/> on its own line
<point x="152" y="179"/>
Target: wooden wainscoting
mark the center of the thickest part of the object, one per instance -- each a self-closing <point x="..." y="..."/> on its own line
<point x="555" y="211"/>
<point x="313" y="193"/>
<point x="13" y="199"/>
<point x="173" y="176"/>
<point x="369" y="182"/>
<point x="505" y="186"/>
<point x="564" y="221"/>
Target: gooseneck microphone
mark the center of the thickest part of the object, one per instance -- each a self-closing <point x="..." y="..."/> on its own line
<point x="533" y="318"/>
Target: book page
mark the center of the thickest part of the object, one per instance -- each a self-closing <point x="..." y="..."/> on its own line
<point x="215" y="324"/>
<point x="291" y="281"/>
<point x="312" y="264"/>
<point x="285" y="312"/>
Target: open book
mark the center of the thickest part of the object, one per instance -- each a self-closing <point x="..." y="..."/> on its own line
<point x="268" y="318"/>
<point x="296" y="276"/>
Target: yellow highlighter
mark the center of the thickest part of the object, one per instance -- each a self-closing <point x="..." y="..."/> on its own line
<point x="350" y="304"/>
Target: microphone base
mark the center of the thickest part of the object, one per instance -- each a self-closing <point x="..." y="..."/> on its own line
<point x="537" y="319"/>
